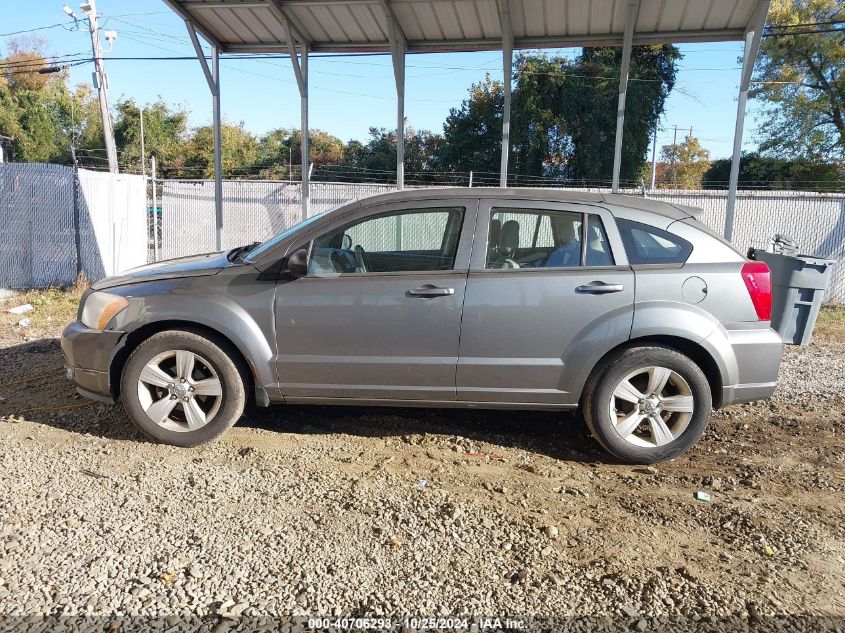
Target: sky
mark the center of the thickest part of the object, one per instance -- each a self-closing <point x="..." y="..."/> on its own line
<point x="347" y="95"/>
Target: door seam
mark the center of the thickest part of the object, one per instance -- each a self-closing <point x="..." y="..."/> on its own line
<point x="464" y="298"/>
<point x="276" y="343"/>
<point x="633" y="303"/>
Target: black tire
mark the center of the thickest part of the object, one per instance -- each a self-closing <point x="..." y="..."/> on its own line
<point x="217" y="354"/>
<point x="600" y="386"/>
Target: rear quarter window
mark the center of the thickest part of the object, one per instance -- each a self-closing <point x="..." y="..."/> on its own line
<point x="646" y="244"/>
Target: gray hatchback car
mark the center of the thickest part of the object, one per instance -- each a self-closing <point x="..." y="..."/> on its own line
<point x="626" y="308"/>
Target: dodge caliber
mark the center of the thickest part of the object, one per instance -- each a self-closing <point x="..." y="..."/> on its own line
<point x="627" y="309"/>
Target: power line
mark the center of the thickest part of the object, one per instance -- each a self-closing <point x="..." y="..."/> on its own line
<point x="812" y="32"/>
<point x="35" y="70"/>
<point x="34" y="29"/>
<point x="33" y="64"/>
<point x="804" y="24"/>
<point x="40" y="61"/>
<point x="65" y="24"/>
<point x="129" y="15"/>
<point x="285" y="56"/>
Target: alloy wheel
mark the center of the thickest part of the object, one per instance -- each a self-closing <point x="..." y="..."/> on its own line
<point x="180" y="390"/>
<point x="651" y="406"/>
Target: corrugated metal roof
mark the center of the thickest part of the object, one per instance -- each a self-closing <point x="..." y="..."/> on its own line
<point x="459" y="25"/>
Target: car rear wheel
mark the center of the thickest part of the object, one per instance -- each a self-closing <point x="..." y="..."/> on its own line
<point x="182" y="388"/>
<point x="647" y="404"/>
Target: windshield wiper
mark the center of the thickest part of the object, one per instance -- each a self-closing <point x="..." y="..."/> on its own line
<point x="238" y="253"/>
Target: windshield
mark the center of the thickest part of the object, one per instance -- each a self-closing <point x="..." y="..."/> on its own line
<point x="265" y="246"/>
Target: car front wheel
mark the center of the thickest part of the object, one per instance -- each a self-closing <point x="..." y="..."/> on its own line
<point x="182" y="388"/>
<point x="647" y="404"/>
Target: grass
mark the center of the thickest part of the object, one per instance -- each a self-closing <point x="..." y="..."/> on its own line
<point x="830" y="326"/>
<point x="52" y="309"/>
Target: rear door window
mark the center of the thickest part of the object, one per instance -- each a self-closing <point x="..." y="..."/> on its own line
<point x="598" y="247"/>
<point x="539" y="238"/>
<point x="646" y="244"/>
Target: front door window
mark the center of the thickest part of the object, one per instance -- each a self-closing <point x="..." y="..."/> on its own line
<point x="411" y="240"/>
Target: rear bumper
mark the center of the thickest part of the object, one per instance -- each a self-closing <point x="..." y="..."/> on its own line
<point x="736" y="394"/>
<point x="758" y="355"/>
<point x="88" y="354"/>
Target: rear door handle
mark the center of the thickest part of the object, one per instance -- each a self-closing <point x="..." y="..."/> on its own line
<point x="430" y="291"/>
<point x="599" y="288"/>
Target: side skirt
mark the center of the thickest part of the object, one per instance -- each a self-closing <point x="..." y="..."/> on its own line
<point x="428" y="404"/>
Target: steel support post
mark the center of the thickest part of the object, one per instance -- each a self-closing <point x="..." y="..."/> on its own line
<point x="507" y="72"/>
<point x="752" y="45"/>
<point x="627" y="44"/>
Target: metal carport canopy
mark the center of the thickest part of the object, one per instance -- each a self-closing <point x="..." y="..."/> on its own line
<point x="298" y="27"/>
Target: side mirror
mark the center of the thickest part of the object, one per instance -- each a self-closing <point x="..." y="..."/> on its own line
<point x="297" y="265"/>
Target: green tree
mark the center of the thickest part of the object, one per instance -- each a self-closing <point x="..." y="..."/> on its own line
<point x="688" y="162"/>
<point x="20" y="66"/>
<point x="40" y="112"/>
<point x="377" y="159"/>
<point x="421" y="148"/>
<point x="281" y="152"/>
<point x="540" y="134"/>
<point x="472" y="134"/>
<point x="165" y="133"/>
<point x="240" y="152"/>
<point x="801" y="82"/>
<point x="85" y="128"/>
<point x="324" y="149"/>
<point x="353" y="152"/>
<point x="767" y="172"/>
<point x="563" y="118"/>
<point x="278" y="148"/>
<point x="651" y="79"/>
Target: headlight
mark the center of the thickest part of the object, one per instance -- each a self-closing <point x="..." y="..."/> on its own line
<point x="99" y="308"/>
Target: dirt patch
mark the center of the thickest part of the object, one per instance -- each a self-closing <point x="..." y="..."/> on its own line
<point x="342" y="511"/>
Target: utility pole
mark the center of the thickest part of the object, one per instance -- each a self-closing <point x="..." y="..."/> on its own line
<point x="654" y="158"/>
<point x="155" y="210"/>
<point x="674" y="156"/>
<point x="143" y="153"/>
<point x="89" y="8"/>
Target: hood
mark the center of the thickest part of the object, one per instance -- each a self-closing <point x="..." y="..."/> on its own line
<point x="193" y="266"/>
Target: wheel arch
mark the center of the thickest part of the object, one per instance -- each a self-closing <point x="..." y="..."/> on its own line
<point x="137" y="336"/>
<point x="695" y="351"/>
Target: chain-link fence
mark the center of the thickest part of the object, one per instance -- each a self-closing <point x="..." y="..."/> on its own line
<point x="252" y="210"/>
<point x="256" y="210"/>
<point x="58" y="222"/>
<point x="37" y="215"/>
<point x="815" y="221"/>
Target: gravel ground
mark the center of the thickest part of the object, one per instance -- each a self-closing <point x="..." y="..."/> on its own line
<point x="812" y="374"/>
<point x="385" y="513"/>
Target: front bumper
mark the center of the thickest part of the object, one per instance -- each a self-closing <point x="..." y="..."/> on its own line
<point x="88" y="356"/>
<point x="758" y="354"/>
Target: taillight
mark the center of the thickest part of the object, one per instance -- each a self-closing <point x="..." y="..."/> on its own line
<point x="758" y="280"/>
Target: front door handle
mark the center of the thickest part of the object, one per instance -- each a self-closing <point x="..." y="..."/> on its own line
<point x="598" y="288"/>
<point x="430" y="291"/>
